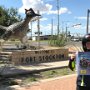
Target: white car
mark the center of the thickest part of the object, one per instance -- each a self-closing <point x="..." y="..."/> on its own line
<point x="75" y="39"/>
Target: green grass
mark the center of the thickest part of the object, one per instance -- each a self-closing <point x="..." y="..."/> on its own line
<point x="56" y="73"/>
<point x="47" y="74"/>
<point x="29" y="79"/>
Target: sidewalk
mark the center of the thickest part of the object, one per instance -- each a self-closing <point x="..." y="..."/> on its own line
<point x="23" y="69"/>
<point x="62" y="83"/>
<point x="67" y="82"/>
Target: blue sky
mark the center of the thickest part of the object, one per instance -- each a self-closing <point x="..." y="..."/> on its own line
<point x="71" y="12"/>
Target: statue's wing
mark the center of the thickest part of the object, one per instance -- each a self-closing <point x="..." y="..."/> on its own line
<point x="2" y="30"/>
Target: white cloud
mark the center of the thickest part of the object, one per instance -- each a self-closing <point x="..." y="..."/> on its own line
<point x="40" y="5"/>
<point x="43" y="19"/>
<point x="81" y="18"/>
<point x="62" y="10"/>
<point x="35" y="4"/>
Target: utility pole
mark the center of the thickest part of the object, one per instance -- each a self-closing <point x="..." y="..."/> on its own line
<point x="36" y="19"/>
<point x="31" y="30"/>
<point x="88" y="11"/>
<point x="66" y="31"/>
<point x="58" y="17"/>
<point x="38" y="27"/>
<point x="52" y="27"/>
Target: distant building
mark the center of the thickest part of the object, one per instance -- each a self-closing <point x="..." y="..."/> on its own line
<point x="44" y="37"/>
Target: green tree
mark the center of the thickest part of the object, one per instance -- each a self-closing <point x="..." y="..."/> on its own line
<point x="13" y="16"/>
<point x="3" y="16"/>
<point x="9" y="16"/>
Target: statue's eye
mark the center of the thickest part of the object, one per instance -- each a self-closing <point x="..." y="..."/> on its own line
<point x="28" y="12"/>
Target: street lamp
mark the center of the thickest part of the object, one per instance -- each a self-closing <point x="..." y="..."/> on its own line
<point x="71" y="26"/>
<point x="76" y="25"/>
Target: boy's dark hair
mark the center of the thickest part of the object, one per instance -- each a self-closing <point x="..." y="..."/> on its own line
<point x="85" y="39"/>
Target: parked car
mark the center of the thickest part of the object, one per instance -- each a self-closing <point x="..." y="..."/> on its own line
<point x="75" y="39"/>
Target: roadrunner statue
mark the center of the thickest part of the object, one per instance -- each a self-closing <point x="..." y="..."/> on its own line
<point x="20" y="29"/>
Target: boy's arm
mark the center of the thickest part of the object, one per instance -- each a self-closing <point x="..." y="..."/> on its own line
<point x="72" y="63"/>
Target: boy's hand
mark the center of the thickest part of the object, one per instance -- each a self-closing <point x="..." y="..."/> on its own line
<point x="72" y="56"/>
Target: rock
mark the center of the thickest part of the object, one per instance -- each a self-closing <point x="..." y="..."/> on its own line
<point x="15" y="87"/>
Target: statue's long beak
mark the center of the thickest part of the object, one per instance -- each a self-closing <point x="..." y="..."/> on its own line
<point x="37" y="15"/>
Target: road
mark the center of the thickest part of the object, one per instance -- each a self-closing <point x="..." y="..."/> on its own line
<point x="74" y="46"/>
<point x="45" y="43"/>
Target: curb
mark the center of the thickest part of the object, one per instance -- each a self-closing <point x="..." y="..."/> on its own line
<point x="31" y="72"/>
<point x="60" y="77"/>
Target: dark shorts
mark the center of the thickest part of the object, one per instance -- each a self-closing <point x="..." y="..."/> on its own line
<point x="83" y="88"/>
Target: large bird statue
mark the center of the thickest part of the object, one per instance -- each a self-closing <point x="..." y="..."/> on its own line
<point x="18" y="30"/>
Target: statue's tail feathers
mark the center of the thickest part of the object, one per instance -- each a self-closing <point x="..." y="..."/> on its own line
<point x="2" y="30"/>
